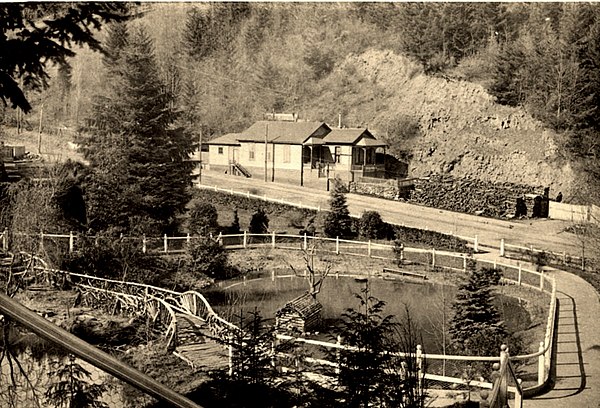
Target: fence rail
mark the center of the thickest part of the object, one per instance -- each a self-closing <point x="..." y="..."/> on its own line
<point x="513" y="274"/>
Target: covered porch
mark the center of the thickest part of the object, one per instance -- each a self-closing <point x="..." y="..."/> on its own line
<point x="368" y="158"/>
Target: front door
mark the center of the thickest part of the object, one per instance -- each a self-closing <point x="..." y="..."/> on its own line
<point x="236" y="154"/>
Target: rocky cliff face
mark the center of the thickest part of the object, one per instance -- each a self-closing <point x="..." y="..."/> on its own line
<point x="462" y="131"/>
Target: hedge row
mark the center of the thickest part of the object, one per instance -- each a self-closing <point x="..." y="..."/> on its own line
<point x="407" y="235"/>
<point x="220" y="199"/>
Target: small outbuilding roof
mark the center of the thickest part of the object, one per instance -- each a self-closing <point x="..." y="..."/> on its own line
<point x="305" y="305"/>
<point x="230" y="139"/>
<point x="283" y="132"/>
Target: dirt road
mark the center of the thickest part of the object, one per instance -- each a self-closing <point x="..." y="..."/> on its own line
<point x="546" y="234"/>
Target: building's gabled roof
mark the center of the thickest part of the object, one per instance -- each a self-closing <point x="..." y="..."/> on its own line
<point x="283" y="132"/>
<point x="305" y="305"/>
<point x="230" y="139"/>
<point x="347" y="135"/>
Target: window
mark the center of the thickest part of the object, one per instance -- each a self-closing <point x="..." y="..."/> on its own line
<point x="220" y="150"/>
<point x="337" y="154"/>
<point x="286" y="153"/>
<point x="251" y="152"/>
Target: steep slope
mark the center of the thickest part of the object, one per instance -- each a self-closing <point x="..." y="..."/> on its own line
<point x="459" y="129"/>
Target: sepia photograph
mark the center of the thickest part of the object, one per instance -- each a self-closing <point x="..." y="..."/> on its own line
<point x="299" y="204"/>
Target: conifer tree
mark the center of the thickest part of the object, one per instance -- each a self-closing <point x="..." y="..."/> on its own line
<point x="337" y="221"/>
<point x="476" y="327"/>
<point x="139" y="161"/>
<point x="369" y="375"/>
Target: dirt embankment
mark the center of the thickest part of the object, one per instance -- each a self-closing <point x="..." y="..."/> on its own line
<point x="459" y="128"/>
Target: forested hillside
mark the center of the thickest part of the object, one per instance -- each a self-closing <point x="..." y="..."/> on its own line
<point x="500" y="92"/>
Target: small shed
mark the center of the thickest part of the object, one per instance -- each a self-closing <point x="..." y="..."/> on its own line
<point x="299" y="315"/>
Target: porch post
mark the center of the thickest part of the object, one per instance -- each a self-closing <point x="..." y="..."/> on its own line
<point x="302" y="165"/>
<point x="311" y="158"/>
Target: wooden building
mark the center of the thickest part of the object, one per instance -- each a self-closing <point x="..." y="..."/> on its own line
<point x="299" y="315"/>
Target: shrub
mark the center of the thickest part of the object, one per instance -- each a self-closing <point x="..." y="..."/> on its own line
<point x="122" y="259"/>
<point x="259" y="223"/>
<point x="337" y="221"/>
<point x="296" y="218"/>
<point x="206" y="257"/>
<point x="203" y="218"/>
<point x="371" y="225"/>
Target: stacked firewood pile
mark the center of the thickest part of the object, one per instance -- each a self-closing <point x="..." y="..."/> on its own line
<point x="470" y="195"/>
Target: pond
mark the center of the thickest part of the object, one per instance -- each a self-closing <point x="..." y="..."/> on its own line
<point x="424" y="301"/>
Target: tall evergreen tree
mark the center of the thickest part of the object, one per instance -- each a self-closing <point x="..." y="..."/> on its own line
<point x="138" y="159"/>
<point x="337" y="221"/>
<point x="476" y="327"/>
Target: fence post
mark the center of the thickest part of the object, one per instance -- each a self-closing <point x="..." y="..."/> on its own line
<point x="464" y="257"/>
<point x="273" y="240"/>
<point x="369" y="248"/>
<point x="245" y="239"/>
<point x="248" y="195"/>
<point x="305" y="242"/>
<point x="503" y="392"/>
<point x="41" y="240"/>
<point x="220" y="238"/>
<point x="495" y="263"/>
<point x="230" y="356"/>
<point x="475" y="245"/>
<point x="502" y="247"/>
<point x="541" y="364"/>
<point x="71" y="242"/>
<point x="144" y="243"/>
<point x="338" y="354"/>
<point x="520" y="272"/>
<point x="419" y="357"/>
<point x="188" y="240"/>
<point x="541" y="280"/>
<point x="4" y="239"/>
<point x="273" y="275"/>
<point x="433" y="257"/>
<point x="401" y="253"/>
<point x="564" y="258"/>
<point x="319" y="208"/>
<point x="166" y="244"/>
<point x="337" y="245"/>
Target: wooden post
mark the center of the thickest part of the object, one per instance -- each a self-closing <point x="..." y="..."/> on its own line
<point x="245" y="239"/>
<point x="273" y="240"/>
<point x="305" y="242"/>
<point x="369" y="248"/>
<point x="338" y="354"/>
<point x="502" y="247"/>
<point x="166" y="244"/>
<point x="248" y="194"/>
<point x="520" y="274"/>
<point x="144" y="243"/>
<point x="419" y="357"/>
<point x="433" y="257"/>
<point x="541" y="280"/>
<point x="495" y="264"/>
<point x="475" y="245"/>
<point x="5" y="239"/>
<point x="41" y="240"/>
<point x="337" y="245"/>
<point x="401" y="253"/>
<point x="71" y="242"/>
<point x="541" y="364"/>
<point x="273" y="275"/>
<point x="220" y="238"/>
<point x="187" y="239"/>
<point x="503" y="393"/>
<point x="464" y="263"/>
